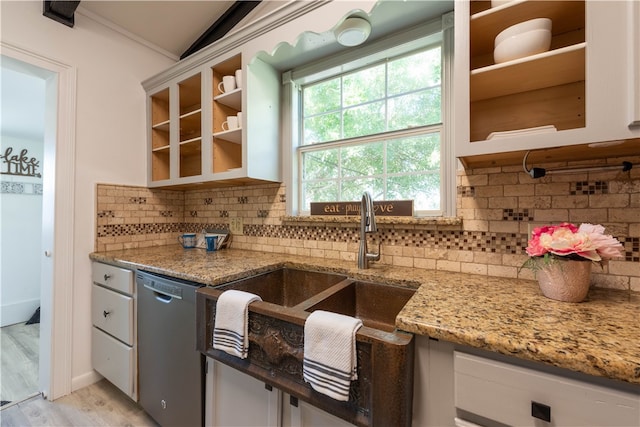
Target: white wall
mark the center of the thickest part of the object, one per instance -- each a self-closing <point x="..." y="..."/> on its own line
<point x="110" y="129"/>
<point x="21" y="235"/>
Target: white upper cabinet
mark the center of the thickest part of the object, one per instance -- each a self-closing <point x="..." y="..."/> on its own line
<point x="187" y="143"/>
<point x="189" y="138"/>
<point x="579" y="92"/>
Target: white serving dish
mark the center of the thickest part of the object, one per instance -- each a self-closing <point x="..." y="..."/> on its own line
<point x="523" y="39"/>
<point x="521" y="132"/>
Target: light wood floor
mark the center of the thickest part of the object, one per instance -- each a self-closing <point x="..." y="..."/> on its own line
<point x="19" y="361"/>
<point x="100" y="404"/>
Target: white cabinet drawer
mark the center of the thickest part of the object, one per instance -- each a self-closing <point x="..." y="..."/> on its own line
<point x="504" y="393"/>
<point x="116" y="278"/>
<point x="113" y="312"/>
<point x="115" y="361"/>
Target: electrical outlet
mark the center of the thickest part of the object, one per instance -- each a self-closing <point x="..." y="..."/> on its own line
<point x="236" y="225"/>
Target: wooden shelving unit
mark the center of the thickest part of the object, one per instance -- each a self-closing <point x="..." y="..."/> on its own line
<point x="543" y="89"/>
<point x="187" y="144"/>
<point x="227" y="144"/>
<point x="160" y="141"/>
<point x="190" y="130"/>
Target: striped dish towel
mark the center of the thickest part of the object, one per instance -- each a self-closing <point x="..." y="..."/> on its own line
<point x="330" y="362"/>
<point x="231" y="327"/>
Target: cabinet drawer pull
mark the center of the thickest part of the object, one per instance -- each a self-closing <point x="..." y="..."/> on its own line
<point x="107" y="277"/>
<point x="541" y="411"/>
<point x="105" y="313"/>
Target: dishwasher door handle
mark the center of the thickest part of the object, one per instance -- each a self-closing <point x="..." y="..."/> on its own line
<point x="162" y="296"/>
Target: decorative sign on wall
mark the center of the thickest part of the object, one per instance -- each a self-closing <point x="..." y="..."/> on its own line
<point x="382" y="208"/>
<point x="19" y="164"/>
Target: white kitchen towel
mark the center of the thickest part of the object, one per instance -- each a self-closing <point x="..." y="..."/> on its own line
<point x="330" y="362"/>
<point x="231" y="326"/>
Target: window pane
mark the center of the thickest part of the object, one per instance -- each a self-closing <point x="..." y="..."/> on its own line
<point x="352" y="189"/>
<point x="325" y="191"/>
<point x="416" y="154"/>
<point x="414" y="72"/>
<point x="322" y="128"/>
<point x="416" y="109"/>
<point x="364" y="120"/>
<point x="320" y="164"/>
<point x="424" y="190"/>
<point x="321" y="97"/>
<point x="396" y="96"/>
<point x="362" y="160"/>
<point x="363" y="86"/>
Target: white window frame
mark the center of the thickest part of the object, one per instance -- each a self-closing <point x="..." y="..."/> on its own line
<point x="430" y="33"/>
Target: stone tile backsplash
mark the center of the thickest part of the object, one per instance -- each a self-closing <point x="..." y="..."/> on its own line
<point x="498" y="206"/>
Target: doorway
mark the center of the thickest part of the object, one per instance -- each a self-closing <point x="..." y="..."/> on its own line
<point x="22" y="130"/>
<point x="56" y="248"/>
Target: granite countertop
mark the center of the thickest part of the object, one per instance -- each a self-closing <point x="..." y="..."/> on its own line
<point x="600" y="336"/>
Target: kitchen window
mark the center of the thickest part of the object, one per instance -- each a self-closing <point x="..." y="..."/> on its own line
<point x="375" y="123"/>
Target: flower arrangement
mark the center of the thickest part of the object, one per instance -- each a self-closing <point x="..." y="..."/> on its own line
<point x="566" y="241"/>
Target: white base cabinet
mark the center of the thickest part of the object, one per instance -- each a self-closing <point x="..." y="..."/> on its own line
<point x="298" y="413"/>
<point x="454" y="387"/>
<point x="113" y="336"/>
<point x="520" y="396"/>
<point x="234" y="398"/>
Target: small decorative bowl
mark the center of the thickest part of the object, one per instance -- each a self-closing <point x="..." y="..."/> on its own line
<point x="524" y="39"/>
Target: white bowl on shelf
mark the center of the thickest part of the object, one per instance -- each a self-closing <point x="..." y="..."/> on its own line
<point x="498" y="3"/>
<point x="524" y="39"/>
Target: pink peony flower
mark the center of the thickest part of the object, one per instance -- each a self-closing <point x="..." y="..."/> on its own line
<point x="587" y="241"/>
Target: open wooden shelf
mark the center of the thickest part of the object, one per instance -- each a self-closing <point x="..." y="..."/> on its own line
<point x="231" y="99"/>
<point x="543" y="89"/>
<point x="191" y="157"/>
<point x="160" y="164"/>
<point x="160" y="108"/>
<point x="190" y="125"/>
<point x="226" y="155"/>
<point x="190" y="94"/>
<point x="547" y="69"/>
<point x="234" y="135"/>
<point x="486" y="25"/>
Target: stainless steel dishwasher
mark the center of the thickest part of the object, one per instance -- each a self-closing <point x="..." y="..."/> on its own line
<point x="171" y="371"/>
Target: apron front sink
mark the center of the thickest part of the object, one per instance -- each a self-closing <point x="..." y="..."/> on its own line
<point x="285" y="286"/>
<point x="383" y="393"/>
<point x="375" y="304"/>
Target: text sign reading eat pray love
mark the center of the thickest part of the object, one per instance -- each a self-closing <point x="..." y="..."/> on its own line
<point x="383" y="208"/>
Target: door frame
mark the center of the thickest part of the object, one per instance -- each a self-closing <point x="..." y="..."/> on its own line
<point x="56" y="333"/>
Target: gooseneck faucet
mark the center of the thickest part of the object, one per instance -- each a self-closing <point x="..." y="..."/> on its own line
<point x="367" y="225"/>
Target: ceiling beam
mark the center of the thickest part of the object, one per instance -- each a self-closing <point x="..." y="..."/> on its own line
<point x="222" y="26"/>
<point x="60" y="11"/>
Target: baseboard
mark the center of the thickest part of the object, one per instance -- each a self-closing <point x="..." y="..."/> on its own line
<point x="18" y="312"/>
<point x="84" y="380"/>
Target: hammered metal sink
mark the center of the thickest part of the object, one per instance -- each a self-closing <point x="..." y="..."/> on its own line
<point x="286" y="286"/>
<point x="375" y="304"/>
<point x="383" y="393"/>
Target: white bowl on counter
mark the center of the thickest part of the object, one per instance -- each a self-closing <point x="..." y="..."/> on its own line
<point x="524" y="39"/>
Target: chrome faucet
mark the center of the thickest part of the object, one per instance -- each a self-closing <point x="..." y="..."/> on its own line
<point x="367" y="225"/>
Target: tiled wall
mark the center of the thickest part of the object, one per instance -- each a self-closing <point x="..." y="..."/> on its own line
<point x="498" y="207"/>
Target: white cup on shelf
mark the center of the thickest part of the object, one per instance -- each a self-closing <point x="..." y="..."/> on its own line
<point x="231" y="123"/>
<point x="227" y="84"/>
<point x="238" y="78"/>
<point x="239" y="116"/>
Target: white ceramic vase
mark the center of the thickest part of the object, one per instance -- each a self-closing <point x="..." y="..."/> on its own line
<point x="565" y="280"/>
